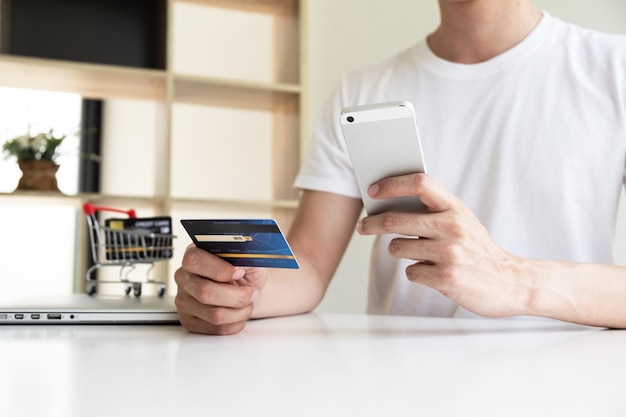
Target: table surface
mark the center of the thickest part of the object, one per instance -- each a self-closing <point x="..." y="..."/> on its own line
<point x="316" y="365"/>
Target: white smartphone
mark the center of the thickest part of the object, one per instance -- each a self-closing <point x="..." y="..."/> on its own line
<point x="383" y="141"/>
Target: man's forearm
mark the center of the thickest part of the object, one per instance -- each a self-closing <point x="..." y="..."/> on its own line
<point x="289" y="292"/>
<point x="592" y="294"/>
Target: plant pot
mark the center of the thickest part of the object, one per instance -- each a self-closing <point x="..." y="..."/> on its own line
<point x="38" y="175"/>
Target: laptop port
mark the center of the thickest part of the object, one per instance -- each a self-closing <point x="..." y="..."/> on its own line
<point x="35" y="316"/>
<point x="19" y="316"/>
<point x="54" y="316"/>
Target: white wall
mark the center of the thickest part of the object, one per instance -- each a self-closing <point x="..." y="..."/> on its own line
<point x="345" y="34"/>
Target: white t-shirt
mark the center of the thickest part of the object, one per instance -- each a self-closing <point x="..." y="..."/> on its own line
<point x="533" y="141"/>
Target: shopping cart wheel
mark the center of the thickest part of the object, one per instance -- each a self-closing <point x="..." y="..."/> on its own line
<point x="128" y="288"/>
<point x="91" y="288"/>
<point x="161" y="290"/>
<point x="137" y="289"/>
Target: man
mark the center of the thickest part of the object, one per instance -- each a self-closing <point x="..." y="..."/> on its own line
<point x="523" y="119"/>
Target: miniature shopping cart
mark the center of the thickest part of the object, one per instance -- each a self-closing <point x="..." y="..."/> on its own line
<point x="125" y="243"/>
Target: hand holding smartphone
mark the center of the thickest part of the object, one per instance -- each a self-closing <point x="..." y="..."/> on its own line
<point x="383" y="141"/>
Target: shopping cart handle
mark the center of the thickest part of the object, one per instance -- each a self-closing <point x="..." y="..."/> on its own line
<point x="90" y="210"/>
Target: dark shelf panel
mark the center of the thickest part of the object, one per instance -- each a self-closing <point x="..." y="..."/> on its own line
<point x="128" y="33"/>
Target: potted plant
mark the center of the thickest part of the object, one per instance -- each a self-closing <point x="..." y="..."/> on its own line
<point x="36" y="156"/>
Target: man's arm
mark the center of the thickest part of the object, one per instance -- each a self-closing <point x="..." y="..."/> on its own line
<point x="585" y="293"/>
<point x="457" y="257"/>
<point x="319" y="235"/>
<point x="215" y="297"/>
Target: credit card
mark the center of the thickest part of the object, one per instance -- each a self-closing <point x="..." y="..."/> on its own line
<point x="255" y="242"/>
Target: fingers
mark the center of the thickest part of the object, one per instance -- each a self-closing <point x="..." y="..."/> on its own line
<point x="429" y="191"/>
<point x="210" y="319"/>
<point x="200" y="262"/>
<point x="396" y="223"/>
<point x="421" y="250"/>
<point x="433" y="276"/>
<point x="213" y="296"/>
<point x="445" y="211"/>
<point x="209" y="292"/>
<point x="196" y="325"/>
<point x="425" y="225"/>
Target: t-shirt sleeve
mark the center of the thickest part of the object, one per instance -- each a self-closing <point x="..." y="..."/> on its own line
<point x="326" y="166"/>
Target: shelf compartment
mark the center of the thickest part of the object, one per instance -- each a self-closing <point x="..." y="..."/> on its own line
<point x="230" y="39"/>
<point x="89" y="80"/>
<point x="77" y="200"/>
<point x="275" y="7"/>
<point x="130" y="33"/>
<point x="263" y="119"/>
<point x="202" y="203"/>
<point x="229" y="93"/>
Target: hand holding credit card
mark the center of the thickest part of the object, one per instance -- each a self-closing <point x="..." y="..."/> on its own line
<point x="254" y="243"/>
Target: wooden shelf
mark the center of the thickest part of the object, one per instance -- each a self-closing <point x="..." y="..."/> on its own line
<point x="39" y="197"/>
<point x="276" y="7"/>
<point x="89" y="80"/>
<point x="77" y="200"/>
<point x="279" y="204"/>
<point x="105" y="81"/>
<point x="281" y="97"/>
<point x="231" y="93"/>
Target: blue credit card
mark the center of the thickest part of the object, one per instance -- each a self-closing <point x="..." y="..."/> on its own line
<point x="257" y="242"/>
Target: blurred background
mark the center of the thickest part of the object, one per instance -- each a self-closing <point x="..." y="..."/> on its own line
<point x="172" y="150"/>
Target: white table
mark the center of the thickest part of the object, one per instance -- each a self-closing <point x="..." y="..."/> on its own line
<point x="316" y="365"/>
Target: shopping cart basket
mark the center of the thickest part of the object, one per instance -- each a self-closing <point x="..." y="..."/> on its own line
<point x="115" y="246"/>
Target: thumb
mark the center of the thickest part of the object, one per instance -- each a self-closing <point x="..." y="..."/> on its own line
<point x="250" y="277"/>
<point x="425" y="187"/>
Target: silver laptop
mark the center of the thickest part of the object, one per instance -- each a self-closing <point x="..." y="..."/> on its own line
<point x="82" y="308"/>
